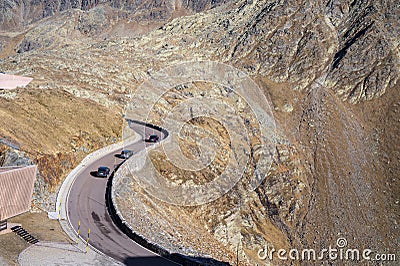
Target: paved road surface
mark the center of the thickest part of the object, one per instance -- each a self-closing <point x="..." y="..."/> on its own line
<point x="86" y="202"/>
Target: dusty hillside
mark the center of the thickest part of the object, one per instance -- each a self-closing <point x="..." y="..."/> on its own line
<point x="55" y="130"/>
<point x="329" y="68"/>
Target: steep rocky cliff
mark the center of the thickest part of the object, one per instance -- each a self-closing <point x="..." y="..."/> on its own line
<point x="19" y="13"/>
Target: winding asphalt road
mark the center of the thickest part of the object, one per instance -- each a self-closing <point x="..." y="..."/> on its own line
<point x="86" y="203"/>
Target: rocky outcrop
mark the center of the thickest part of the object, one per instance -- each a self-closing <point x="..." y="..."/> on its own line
<point x="366" y="62"/>
<point x="350" y="48"/>
<point x="19" y="13"/>
<point x="12" y="157"/>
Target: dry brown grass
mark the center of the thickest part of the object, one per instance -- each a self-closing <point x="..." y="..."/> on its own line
<point x="57" y="129"/>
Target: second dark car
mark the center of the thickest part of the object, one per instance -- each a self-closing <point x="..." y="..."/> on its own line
<point x="125" y="154"/>
<point x="153" y="138"/>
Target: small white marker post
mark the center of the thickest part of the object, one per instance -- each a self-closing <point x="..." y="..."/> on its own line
<point x="87" y="241"/>
<point x="79" y="231"/>
<point x="59" y="210"/>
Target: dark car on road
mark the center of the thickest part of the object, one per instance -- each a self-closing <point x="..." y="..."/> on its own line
<point x="125" y="154"/>
<point x="153" y="138"/>
<point x="103" y="171"/>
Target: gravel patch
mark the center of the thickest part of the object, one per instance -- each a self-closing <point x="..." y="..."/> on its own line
<point x="61" y="254"/>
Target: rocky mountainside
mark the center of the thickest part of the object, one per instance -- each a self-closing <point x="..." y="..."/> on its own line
<point x="19" y="13"/>
<point x="330" y="69"/>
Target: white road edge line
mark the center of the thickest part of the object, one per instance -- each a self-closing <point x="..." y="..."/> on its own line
<point x="66" y="186"/>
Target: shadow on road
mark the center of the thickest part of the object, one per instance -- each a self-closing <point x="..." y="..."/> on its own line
<point x="150" y="141"/>
<point x="148" y="261"/>
<point x="157" y="261"/>
<point x="93" y="173"/>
